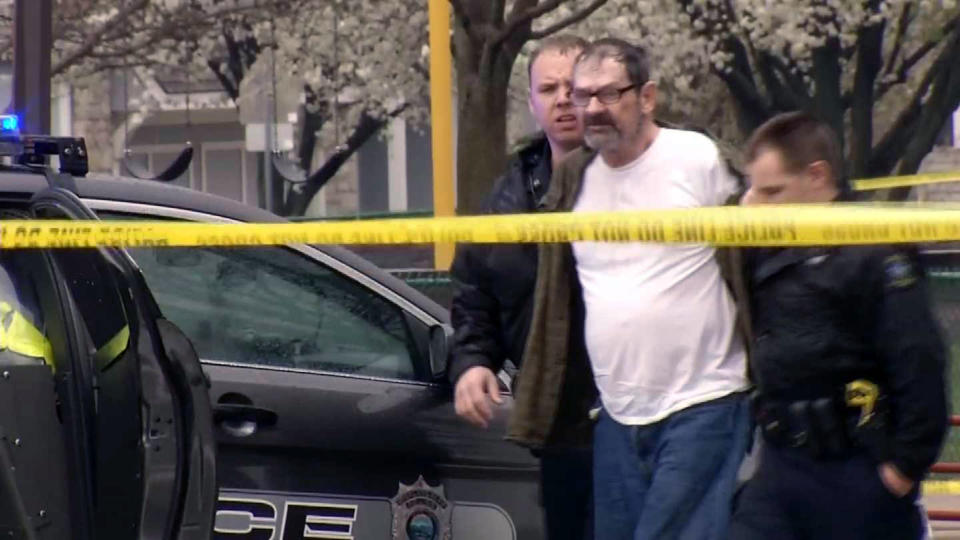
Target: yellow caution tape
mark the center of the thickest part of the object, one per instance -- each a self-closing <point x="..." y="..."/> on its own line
<point x="941" y="487"/>
<point x="726" y="226"/>
<point x="888" y="182"/>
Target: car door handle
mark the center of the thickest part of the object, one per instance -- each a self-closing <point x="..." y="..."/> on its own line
<point x="234" y="412"/>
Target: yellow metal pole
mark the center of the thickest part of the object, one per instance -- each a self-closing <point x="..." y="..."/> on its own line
<point x="441" y="121"/>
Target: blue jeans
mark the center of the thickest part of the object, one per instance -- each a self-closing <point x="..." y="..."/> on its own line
<point x="674" y="479"/>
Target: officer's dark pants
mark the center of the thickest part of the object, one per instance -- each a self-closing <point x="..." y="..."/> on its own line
<point x="566" y="479"/>
<point x="795" y="497"/>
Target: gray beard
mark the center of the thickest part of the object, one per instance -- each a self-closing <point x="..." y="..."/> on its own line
<point x="609" y="139"/>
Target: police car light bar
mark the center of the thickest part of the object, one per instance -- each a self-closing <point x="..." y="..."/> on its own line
<point x="31" y="150"/>
<point x="9" y="124"/>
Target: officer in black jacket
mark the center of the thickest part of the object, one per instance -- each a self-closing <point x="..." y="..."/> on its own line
<point x="494" y="287"/>
<point x="848" y="364"/>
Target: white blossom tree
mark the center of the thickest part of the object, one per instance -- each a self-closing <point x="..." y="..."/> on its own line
<point x="362" y="62"/>
<point x="884" y="73"/>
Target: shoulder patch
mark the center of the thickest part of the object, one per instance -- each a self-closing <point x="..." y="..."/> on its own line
<point x="899" y="271"/>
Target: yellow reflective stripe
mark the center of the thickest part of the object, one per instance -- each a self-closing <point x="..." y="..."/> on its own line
<point x="22" y="337"/>
<point x="112" y="349"/>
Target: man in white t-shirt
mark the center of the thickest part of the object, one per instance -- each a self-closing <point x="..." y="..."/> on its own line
<point x="660" y="322"/>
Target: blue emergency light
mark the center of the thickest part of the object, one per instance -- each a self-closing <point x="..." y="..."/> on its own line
<point x="32" y="150"/>
<point x="9" y="124"/>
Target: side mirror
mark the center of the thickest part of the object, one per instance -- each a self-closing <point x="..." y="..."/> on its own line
<point x="441" y="336"/>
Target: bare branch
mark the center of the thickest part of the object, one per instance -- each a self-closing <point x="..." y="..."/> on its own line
<point x="943" y="99"/>
<point x="94" y="38"/>
<point x="884" y="155"/>
<point x="572" y="19"/>
<point x="497" y="10"/>
<point x="367" y="127"/>
<point x="902" y="23"/>
<point x="522" y="16"/>
<point x="914" y="58"/>
<point x="869" y="64"/>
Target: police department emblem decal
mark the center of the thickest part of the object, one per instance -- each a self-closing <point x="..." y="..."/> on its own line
<point x="899" y="271"/>
<point x="421" y="512"/>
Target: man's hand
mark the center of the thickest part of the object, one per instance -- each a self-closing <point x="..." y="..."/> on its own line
<point x="894" y="480"/>
<point x="473" y="393"/>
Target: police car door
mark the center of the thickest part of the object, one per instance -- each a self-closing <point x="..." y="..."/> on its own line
<point x="151" y="429"/>
<point x="326" y="409"/>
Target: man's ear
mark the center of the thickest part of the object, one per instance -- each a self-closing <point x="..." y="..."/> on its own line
<point x="820" y="174"/>
<point x="648" y="97"/>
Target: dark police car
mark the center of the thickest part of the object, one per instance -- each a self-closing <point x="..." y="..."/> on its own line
<point x="327" y="399"/>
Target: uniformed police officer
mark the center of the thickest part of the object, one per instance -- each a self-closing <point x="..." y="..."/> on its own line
<point x="847" y="361"/>
<point x="22" y="342"/>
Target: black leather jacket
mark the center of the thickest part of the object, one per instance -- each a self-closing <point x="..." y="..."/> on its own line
<point x="823" y="317"/>
<point x="494" y="284"/>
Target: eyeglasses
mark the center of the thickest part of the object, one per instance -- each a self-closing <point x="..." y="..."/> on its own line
<point x="607" y="96"/>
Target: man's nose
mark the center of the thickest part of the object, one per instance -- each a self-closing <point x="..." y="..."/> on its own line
<point x="563" y="96"/>
<point x="593" y="106"/>
<point x="748" y="198"/>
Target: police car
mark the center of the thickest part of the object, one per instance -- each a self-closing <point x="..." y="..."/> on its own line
<point x="326" y="412"/>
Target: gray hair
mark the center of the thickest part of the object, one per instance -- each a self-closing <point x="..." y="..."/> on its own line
<point x="633" y="57"/>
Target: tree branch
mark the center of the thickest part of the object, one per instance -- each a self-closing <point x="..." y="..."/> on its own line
<point x="942" y="101"/>
<point x="521" y="16"/>
<point x="914" y="58"/>
<point x="827" y="95"/>
<point x="96" y="37"/>
<point x="752" y="108"/>
<point x="869" y="64"/>
<point x="497" y="10"/>
<point x="572" y="19"/>
<point x="229" y="87"/>
<point x="786" y="93"/>
<point x="903" y="21"/>
<point x="367" y="127"/>
<point x="885" y="154"/>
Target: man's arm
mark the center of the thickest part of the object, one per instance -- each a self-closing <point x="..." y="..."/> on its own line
<point x="478" y="351"/>
<point x="913" y="358"/>
<point x="475" y="314"/>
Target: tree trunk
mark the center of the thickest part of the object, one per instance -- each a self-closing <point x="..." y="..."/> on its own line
<point x="869" y="63"/>
<point x="481" y="141"/>
<point x="483" y="80"/>
<point x="827" y="96"/>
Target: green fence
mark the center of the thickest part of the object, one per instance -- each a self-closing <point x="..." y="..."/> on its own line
<point x="945" y="293"/>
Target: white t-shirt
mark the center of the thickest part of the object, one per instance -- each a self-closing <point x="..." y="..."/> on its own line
<point x="660" y="321"/>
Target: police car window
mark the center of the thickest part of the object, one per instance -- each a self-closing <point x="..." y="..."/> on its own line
<point x="94" y="288"/>
<point x="271" y="306"/>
